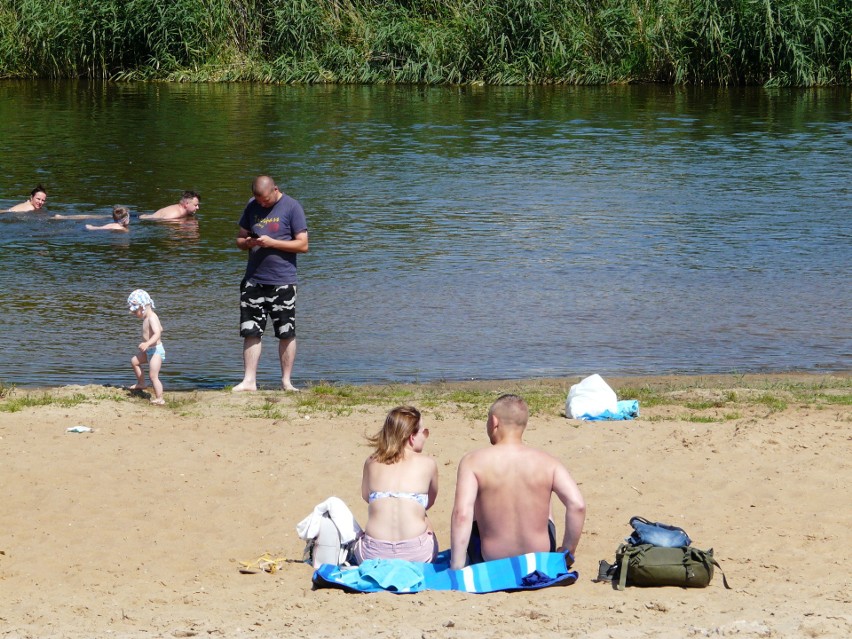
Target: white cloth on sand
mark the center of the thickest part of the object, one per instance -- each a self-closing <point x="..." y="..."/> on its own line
<point x="338" y="512"/>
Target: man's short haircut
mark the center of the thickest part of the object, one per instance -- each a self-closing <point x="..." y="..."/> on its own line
<point x="262" y="184"/>
<point x="510" y="409"/>
<point x="188" y="195"/>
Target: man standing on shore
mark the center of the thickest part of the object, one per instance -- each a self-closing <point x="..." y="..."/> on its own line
<point x="273" y="230"/>
<point x="188" y="205"/>
<point x="502" y="503"/>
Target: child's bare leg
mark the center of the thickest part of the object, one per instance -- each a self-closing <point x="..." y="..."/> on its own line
<point x="154" y="374"/>
<point x="140" y="358"/>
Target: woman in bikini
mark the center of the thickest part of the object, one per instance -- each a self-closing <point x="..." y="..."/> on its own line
<point x="400" y="484"/>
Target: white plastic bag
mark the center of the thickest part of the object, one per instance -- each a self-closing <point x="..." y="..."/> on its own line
<point x="328" y="548"/>
<point x="590" y="397"/>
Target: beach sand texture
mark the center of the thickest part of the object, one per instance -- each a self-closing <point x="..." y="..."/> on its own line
<point x="137" y="529"/>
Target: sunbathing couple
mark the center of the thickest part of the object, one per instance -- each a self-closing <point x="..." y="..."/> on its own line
<point x="502" y="501"/>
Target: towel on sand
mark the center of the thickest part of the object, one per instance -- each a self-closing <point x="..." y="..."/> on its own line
<point x="625" y="409"/>
<point x="525" y="572"/>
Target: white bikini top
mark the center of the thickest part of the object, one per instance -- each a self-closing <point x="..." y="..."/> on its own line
<point x="420" y="498"/>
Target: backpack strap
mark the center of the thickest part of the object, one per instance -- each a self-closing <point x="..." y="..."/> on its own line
<point x="716" y="563"/>
<point x="622" y="568"/>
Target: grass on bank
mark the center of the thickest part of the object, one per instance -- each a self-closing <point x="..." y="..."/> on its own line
<point x="696" y="399"/>
<point x="19" y="403"/>
<point x="703" y="399"/>
<point x="470" y="399"/>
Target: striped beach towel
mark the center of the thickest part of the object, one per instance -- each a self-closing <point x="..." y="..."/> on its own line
<point x="525" y="572"/>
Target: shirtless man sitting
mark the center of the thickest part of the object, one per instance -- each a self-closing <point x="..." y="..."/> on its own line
<point x="504" y="491"/>
<point x="188" y="205"/>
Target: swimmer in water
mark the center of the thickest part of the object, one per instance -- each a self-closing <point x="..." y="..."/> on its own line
<point x="121" y="221"/>
<point x="188" y="205"/>
<point x="38" y="196"/>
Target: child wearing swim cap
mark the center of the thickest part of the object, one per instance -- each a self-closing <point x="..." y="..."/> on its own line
<point x="150" y="348"/>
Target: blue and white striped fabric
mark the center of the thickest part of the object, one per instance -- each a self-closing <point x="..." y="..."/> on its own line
<point x="525" y="572"/>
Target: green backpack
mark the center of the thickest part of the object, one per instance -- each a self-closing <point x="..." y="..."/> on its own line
<point x="648" y="565"/>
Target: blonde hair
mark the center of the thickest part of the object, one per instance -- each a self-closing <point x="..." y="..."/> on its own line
<point x="400" y="424"/>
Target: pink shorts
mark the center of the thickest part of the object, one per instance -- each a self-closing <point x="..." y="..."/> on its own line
<point x="423" y="548"/>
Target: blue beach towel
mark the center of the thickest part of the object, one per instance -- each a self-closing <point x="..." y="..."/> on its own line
<point x="525" y="572"/>
<point x="626" y="409"/>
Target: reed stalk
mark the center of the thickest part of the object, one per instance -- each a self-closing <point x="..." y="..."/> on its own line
<point x="719" y="42"/>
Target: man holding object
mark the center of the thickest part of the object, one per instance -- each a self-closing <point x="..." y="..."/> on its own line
<point x="273" y="230"/>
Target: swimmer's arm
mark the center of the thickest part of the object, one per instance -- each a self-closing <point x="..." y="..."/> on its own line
<point x="107" y="227"/>
<point x="81" y="216"/>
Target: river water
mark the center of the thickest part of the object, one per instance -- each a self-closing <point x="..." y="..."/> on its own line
<point x="455" y="233"/>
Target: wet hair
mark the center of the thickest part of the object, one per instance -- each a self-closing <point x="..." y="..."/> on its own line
<point x="400" y="424"/>
<point x="121" y="215"/>
<point x="188" y="195"/>
<point x="38" y="189"/>
<point x="511" y="409"/>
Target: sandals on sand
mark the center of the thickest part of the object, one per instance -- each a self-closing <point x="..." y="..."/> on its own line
<point x="265" y="563"/>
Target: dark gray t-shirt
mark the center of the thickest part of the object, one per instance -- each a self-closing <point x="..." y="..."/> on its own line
<point x="283" y="221"/>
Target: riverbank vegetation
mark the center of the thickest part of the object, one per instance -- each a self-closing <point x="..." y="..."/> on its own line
<point x="725" y="42"/>
<point x="710" y="398"/>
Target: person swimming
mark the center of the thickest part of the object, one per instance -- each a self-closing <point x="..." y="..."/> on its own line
<point x="36" y="201"/>
<point x="121" y="221"/>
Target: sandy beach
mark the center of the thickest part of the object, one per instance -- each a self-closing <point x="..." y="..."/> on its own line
<point x="137" y="528"/>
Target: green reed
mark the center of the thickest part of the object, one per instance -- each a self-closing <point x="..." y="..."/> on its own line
<point x="720" y="42"/>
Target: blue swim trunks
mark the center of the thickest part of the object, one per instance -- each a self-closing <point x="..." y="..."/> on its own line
<point x="156" y="350"/>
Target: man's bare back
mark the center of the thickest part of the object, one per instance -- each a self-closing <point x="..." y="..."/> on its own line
<point x="507" y="488"/>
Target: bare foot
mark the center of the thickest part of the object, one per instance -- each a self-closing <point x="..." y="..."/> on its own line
<point x="158" y="400"/>
<point x="289" y="387"/>
<point x="243" y="387"/>
<point x="136" y="387"/>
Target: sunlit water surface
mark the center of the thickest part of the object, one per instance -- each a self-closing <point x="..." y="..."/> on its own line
<point x="454" y="233"/>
